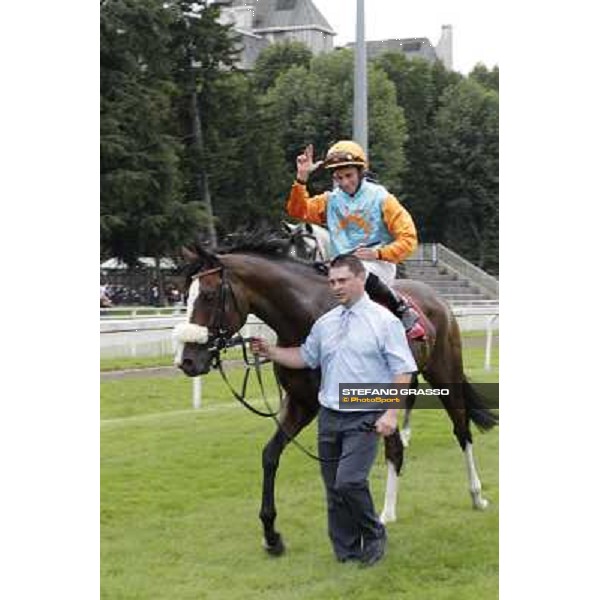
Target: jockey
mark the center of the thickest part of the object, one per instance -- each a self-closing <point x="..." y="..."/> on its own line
<point x="362" y="218"/>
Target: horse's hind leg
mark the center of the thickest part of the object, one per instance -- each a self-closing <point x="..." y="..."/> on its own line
<point x="394" y="458"/>
<point x="456" y="407"/>
<point x="479" y="502"/>
<point x="296" y="417"/>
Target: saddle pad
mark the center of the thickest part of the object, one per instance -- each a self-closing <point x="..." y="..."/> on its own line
<point x="420" y="330"/>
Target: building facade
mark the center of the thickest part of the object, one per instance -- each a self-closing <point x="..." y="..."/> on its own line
<point x="261" y="23"/>
<point x="265" y="22"/>
<point x="415" y="47"/>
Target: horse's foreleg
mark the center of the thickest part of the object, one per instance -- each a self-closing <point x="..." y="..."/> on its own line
<point x="296" y="417"/>
<point x="273" y="542"/>
<point x="394" y="455"/>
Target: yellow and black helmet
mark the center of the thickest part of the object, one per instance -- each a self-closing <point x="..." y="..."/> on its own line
<point x="345" y="153"/>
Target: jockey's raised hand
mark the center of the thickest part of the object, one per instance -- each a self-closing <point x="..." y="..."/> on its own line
<point x="305" y="164"/>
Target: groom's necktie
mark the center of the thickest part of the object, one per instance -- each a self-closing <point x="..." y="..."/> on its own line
<point x="344" y="325"/>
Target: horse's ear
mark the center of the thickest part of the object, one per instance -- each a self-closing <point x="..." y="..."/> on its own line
<point x="309" y="228"/>
<point x="287" y="226"/>
<point x="190" y="256"/>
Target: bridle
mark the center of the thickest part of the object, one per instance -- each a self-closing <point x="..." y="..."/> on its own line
<point x="221" y="337"/>
<point x="219" y="331"/>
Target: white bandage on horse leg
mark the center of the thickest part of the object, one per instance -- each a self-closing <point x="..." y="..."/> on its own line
<point x="388" y="514"/>
<point x="479" y="502"/>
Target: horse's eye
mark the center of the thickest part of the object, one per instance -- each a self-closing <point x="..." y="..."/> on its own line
<point x="209" y="295"/>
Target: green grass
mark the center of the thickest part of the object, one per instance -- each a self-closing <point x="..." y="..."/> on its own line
<point x="181" y="492"/>
<point x="129" y="362"/>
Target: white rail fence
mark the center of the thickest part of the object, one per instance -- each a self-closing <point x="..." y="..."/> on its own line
<point x="151" y="336"/>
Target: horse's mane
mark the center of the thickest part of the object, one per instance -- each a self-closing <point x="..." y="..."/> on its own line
<point x="270" y="242"/>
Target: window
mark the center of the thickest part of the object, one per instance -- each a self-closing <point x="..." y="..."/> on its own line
<point x="285" y="5"/>
<point x="411" y="46"/>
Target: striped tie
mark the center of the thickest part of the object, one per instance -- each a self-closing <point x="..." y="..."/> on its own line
<point x="344" y="325"/>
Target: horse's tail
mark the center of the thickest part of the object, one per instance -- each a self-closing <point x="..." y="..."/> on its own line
<point x="477" y="411"/>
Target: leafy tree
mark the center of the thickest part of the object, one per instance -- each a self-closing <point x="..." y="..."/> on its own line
<point x="419" y="85"/>
<point x="488" y="78"/>
<point x="202" y="51"/>
<point x="158" y="62"/>
<point x="246" y="166"/>
<point x="466" y="172"/>
<point x="278" y="58"/>
<point x="142" y="209"/>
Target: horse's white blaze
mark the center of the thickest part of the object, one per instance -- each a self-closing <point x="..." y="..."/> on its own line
<point x="192" y="295"/>
<point x="388" y="515"/>
<point x="479" y="501"/>
<point x="188" y="332"/>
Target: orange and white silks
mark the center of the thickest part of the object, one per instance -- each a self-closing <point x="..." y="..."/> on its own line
<point x="371" y="215"/>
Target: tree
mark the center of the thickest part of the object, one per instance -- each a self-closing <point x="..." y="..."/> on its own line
<point x="466" y="172"/>
<point x="142" y="209"/>
<point x="419" y="86"/>
<point x="202" y="50"/>
<point x="158" y="61"/>
<point x="489" y="79"/>
<point x="277" y="59"/>
<point x="246" y="166"/>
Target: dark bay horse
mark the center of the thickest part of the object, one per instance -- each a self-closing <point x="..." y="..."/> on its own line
<point x="289" y="295"/>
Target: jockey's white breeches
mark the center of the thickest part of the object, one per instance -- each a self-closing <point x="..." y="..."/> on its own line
<point x="386" y="271"/>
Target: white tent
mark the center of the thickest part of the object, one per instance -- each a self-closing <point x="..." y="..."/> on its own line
<point x="114" y="264"/>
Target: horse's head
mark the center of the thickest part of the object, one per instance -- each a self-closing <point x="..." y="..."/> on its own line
<point x="214" y="314"/>
<point x="308" y="242"/>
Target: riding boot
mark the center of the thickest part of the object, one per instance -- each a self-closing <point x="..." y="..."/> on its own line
<point x="380" y="292"/>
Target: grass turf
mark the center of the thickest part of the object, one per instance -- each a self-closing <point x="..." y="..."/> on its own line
<point x="181" y="492"/>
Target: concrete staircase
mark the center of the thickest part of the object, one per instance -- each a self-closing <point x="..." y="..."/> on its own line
<point x="453" y="288"/>
<point x="459" y="282"/>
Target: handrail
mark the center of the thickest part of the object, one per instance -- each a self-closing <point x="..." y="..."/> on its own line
<point x="424" y="252"/>
<point x="132" y="311"/>
<point x="163" y="322"/>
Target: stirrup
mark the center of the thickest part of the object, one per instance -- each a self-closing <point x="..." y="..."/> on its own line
<point x="408" y="315"/>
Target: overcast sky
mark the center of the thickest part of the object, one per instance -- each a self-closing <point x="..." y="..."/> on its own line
<point x="476" y="26"/>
